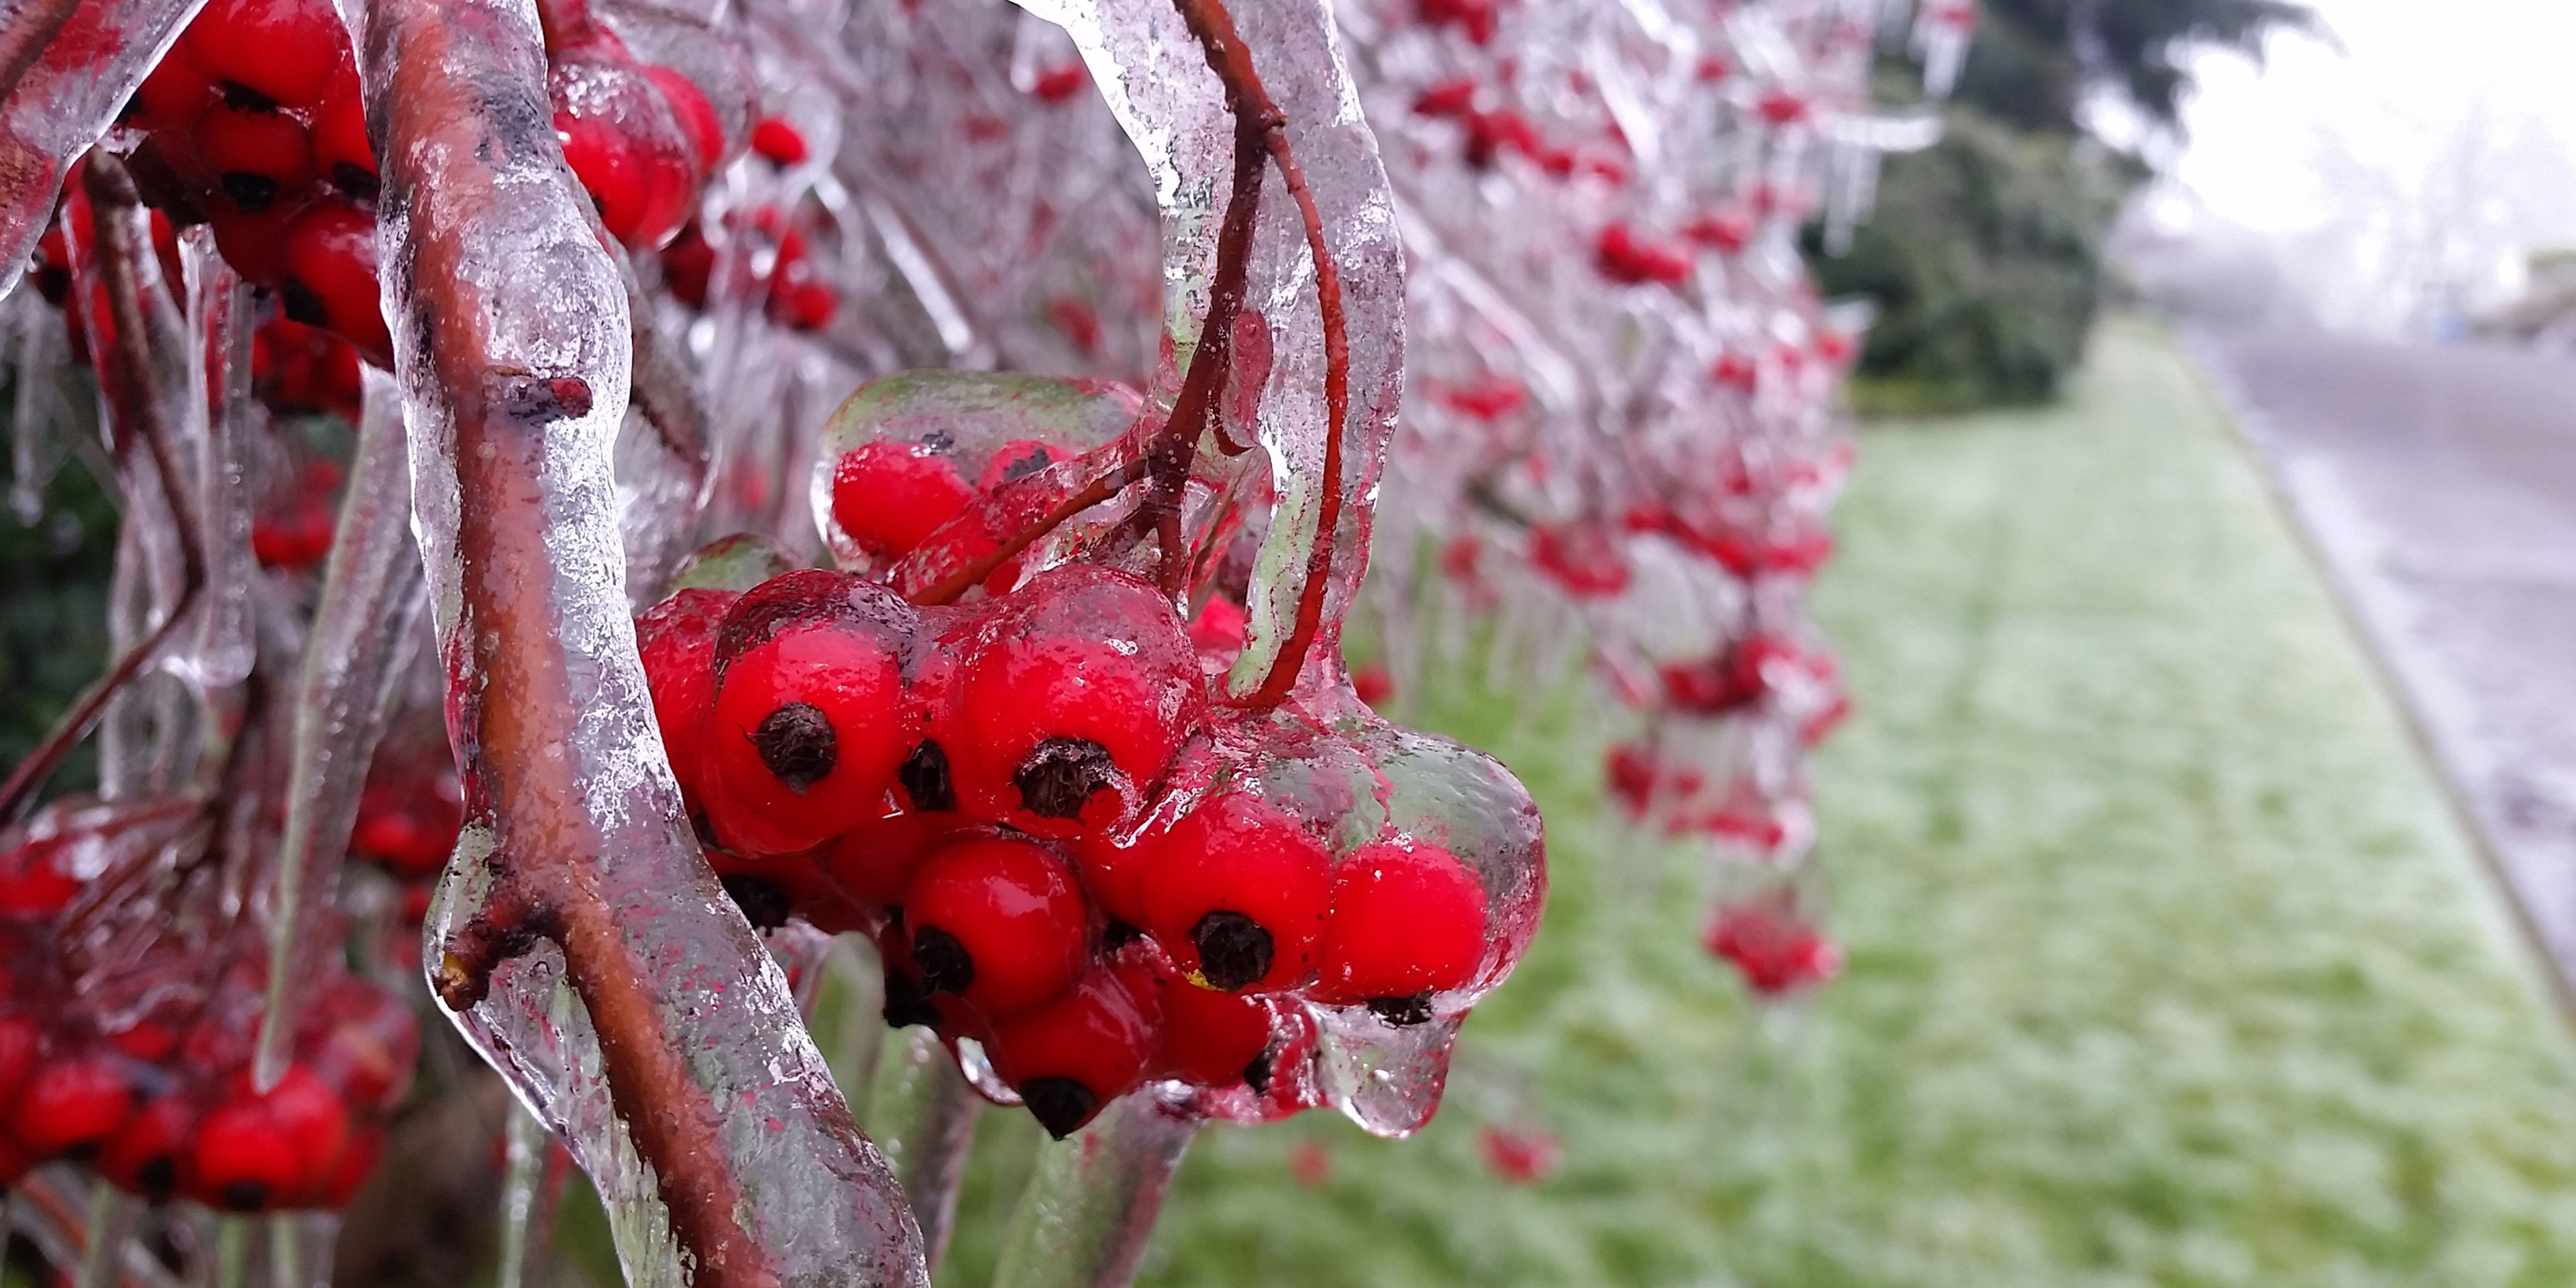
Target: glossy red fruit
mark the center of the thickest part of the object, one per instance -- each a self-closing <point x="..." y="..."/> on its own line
<point x="1584" y="559"/>
<point x="1016" y="460"/>
<point x="1408" y="921"/>
<point x="808" y="731"/>
<point x="255" y="242"/>
<point x="778" y="141"/>
<point x="34" y="881"/>
<point x="1215" y="1039"/>
<point x="624" y="146"/>
<point x="330" y="278"/>
<point x="410" y="827"/>
<point x="146" y="1156"/>
<point x="340" y="150"/>
<point x="874" y="862"/>
<point x="1523" y="1156"/>
<point x="1114" y="874"/>
<point x="1072" y="701"/>
<point x="688" y="265"/>
<point x="19" y="1042"/>
<point x="1074" y="1055"/>
<point x="890" y="495"/>
<point x="695" y="116"/>
<point x="295" y="536"/>
<point x="254" y="155"/>
<point x="1624" y="257"/>
<point x="1728" y="681"/>
<point x="283" y="51"/>
<point x="73" y="1101"/>
<point x="172" y="96"/>
<point x="1000" y="923"/>
<point x="677" y="639"/>
<point x="1237" y="893"/>
<point x="1778" y="952"/>
<point x="257" y="1151"/>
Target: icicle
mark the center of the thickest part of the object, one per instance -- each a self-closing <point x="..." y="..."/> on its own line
<point x="363" y="633"/>
<point x="522" y="1205"/>
<point x="1091" y="1206"/>
<point x="68" y="66"/>
<point x="922" y="1112"/>
<point x="578" y="938"/>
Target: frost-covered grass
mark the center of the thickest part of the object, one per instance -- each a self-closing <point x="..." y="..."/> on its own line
<point x="2167" y="964"/>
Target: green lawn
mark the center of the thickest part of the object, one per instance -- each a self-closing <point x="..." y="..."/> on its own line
<point x="2168" y="965"/>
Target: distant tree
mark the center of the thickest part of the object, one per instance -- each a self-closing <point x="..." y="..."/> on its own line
<point x="1985" y="257"/>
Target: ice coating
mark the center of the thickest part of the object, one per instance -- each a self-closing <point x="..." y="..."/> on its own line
<point x="922" y="1113"/>
<point x="1091" y="1206"/>
<point x="364" y="629"/>
<point x="578" y="936"/>
<point x="68" y="66"/>
<point x="1155" y="77"/>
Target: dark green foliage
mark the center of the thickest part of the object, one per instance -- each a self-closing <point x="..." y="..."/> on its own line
<point x="53" y="612"/>
<point x="1985" y="254"/>
<point x="1983" y="259"/>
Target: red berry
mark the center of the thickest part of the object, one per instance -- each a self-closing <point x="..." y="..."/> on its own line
<point x="1215" y="1039"/>
<point x="1072" y="701"/>
<point x="803" y="306"/>
<point x="1076" y="1054"/>
<point x="631" y="158"/>
<point x="874" y="862"/>
<point x="1629" y="260"/>
<point x="1237" y="893"/>
<point x="1408" y="921"/>
<point x="258" y="1151"/>
<point x="1001" y="923"/>
<point x="1114" y="873"/>
<point x="341" y="152"/>
<point x="1522" y="1157"/>
<point x="331" y="277"/>
<point x="357" y="1162"/>
<point x="33" y="881"/>
<point x="145" y="1157"/>
<point x="1058" y="84"/>
<point x="19" y="1043"/>
<point x="1584" y="559"/>
<point x="1016" y="460"/>
<point x="295" y="537"/>
<point x="172" y="96"/>
<point x="688" y="265"/>
<point x="809" y="728"/>
<point x="677" y="639"/>
<point x="890" y="495"/>
<point x="696" y="118"/>
<point x="254" y="155"/>
<point x="778" y="141"/>
<point x="71" y="1102"/>
<point x="254" y="243"/>
<point x="284" y="51"/>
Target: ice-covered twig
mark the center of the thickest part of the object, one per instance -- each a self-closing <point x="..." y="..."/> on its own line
<point x="1091" y="1206"/>
<point x="128" y="370"/>
<point x="664" y="1043"/>
<point x="922" y="1111"/>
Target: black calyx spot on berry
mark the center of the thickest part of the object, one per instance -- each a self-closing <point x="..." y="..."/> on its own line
<point x="243" y="97"/>
<point x="1026" y="464"/>
<point x="540" y="400"/>
<point x="907" y="1002"/>
<point x="354" y="180"/>
<point x="797" y="744"/>
<point x="302" y="305"/>
<point x="1061" y="1105"/>
<point x="924" y="775"/>
<point x="1256" y="1075"/>
<point x="763" y="903"/>
<point x="244" y="1196"/>
<point x="159" y="1176"/>
<point x="251" y="192"/>
<point x="1234" y="951"/>
<point x="1402" y="1012"/>
<point x="946" y="966"/>
<point x="1061" y="775"/>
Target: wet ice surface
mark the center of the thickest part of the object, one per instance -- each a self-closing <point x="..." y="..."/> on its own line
<point x="2439" y="487"/>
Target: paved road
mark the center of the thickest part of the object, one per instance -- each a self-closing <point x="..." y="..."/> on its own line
<point x="2439" y="485"/>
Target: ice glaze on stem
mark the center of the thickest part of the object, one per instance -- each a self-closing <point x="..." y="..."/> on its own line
<point x="1090" y="1208"/>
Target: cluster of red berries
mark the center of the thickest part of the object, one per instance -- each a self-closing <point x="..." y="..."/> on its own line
<point x="53" y="275"/>
<point x="778" y="269"/>
<point x="989" y="790"/>
<point x="1778" y="950"/>
<point x="253" y="124"/>
<point x="147" y="1076"/>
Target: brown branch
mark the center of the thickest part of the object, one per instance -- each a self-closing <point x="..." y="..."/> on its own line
<point x="128" y="372"/>
<point x="1254" y="111"/>
<point x="451" y="128"/>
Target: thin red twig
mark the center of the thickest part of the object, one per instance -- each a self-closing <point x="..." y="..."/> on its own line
<point x="1232" y="62"/>
<point x="128" y="370"/>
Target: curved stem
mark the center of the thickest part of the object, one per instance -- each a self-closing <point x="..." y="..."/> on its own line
<point x="922" y="1113"/>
